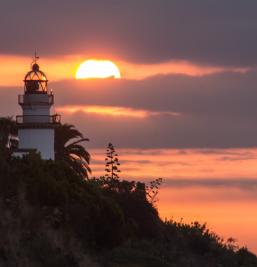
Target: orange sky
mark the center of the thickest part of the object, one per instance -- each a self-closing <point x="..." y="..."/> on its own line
<point x="189" y="163"/>
<point x="229" y="210"/>
<point x="62" y="68"/>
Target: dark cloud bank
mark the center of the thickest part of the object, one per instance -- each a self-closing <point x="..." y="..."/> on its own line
<point x="216" y="111"/>
<point x="202" y="31"/>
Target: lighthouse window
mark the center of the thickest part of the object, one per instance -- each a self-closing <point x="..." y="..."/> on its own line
<point x="32" y="86"/>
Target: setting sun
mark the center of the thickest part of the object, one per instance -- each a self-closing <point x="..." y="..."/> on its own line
<point x="93" y="68"/>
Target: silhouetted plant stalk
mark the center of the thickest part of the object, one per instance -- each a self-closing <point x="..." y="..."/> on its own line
<point x="111" y="165"/>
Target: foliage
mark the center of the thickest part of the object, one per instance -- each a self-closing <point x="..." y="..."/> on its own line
<point x="246" y="258"/>
<point x="7" y="129"/>
<point x="68" y="148"/>
<point x="153" y="190"/>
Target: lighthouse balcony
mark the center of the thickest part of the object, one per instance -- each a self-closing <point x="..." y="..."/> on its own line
<point x="38" y="120"/>
<point x="36" y="99"/>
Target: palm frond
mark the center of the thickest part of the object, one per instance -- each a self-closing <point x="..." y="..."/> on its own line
<point x="68" y="148"/>
<point x="78" y="141"/>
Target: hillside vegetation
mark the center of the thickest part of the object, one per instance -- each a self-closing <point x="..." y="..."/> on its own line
<point x="51" y="217"/>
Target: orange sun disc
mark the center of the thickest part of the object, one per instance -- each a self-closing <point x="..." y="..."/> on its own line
<point x="93" y="68"/>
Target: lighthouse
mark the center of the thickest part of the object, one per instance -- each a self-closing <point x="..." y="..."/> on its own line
<point x="36" y="125"/>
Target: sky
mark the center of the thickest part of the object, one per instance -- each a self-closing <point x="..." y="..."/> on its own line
<point x="185" y="107"/>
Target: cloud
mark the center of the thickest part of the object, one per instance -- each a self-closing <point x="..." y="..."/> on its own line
<point x="9" y="101"/>
<point x="215" y="111"/>
<point x="169" y="111"/>
<point x="193" y="167"/>
<point x="177" y="93"/>
<point x="242" y="184"/>
<point x="112" y="111"/>
<point x="202" y="31"/>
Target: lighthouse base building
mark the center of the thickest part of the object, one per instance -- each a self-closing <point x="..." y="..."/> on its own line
<point x="36" y="125"/>
<point x="40" y="140"/>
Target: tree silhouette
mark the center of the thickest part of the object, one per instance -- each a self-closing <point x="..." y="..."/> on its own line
<point x="8" y="128"/>
<point x="112" y="164"/>
<point x="68" y="148"/>
<point x="152" y="190"/>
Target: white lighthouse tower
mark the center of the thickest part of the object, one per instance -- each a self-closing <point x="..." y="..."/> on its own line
<point x="36" y="124"/>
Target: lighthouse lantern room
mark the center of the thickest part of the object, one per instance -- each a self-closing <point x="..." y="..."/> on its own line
<point x="36" y="124"/>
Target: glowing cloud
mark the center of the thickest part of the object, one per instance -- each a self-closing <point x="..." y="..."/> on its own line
<point x="113" y="111"/>
<point x="104" y="110"/>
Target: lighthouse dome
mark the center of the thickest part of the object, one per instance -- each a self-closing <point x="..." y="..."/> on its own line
<point x="35" y="80"/>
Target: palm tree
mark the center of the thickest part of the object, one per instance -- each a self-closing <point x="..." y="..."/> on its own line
<point x="68" y="148"/>
<point x="7" y="128"/>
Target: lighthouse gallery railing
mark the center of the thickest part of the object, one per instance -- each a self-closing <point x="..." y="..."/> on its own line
<point x="39" y="99"/>
<point x="38" y="119"/>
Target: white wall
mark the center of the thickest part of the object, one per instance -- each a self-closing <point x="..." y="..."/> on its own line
<point x="40" y="139"/>
<point x="36" y="110"/>
<point x="36" y="104"/>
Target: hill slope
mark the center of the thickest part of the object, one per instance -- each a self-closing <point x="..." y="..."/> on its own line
<point x="50" y="217"/>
